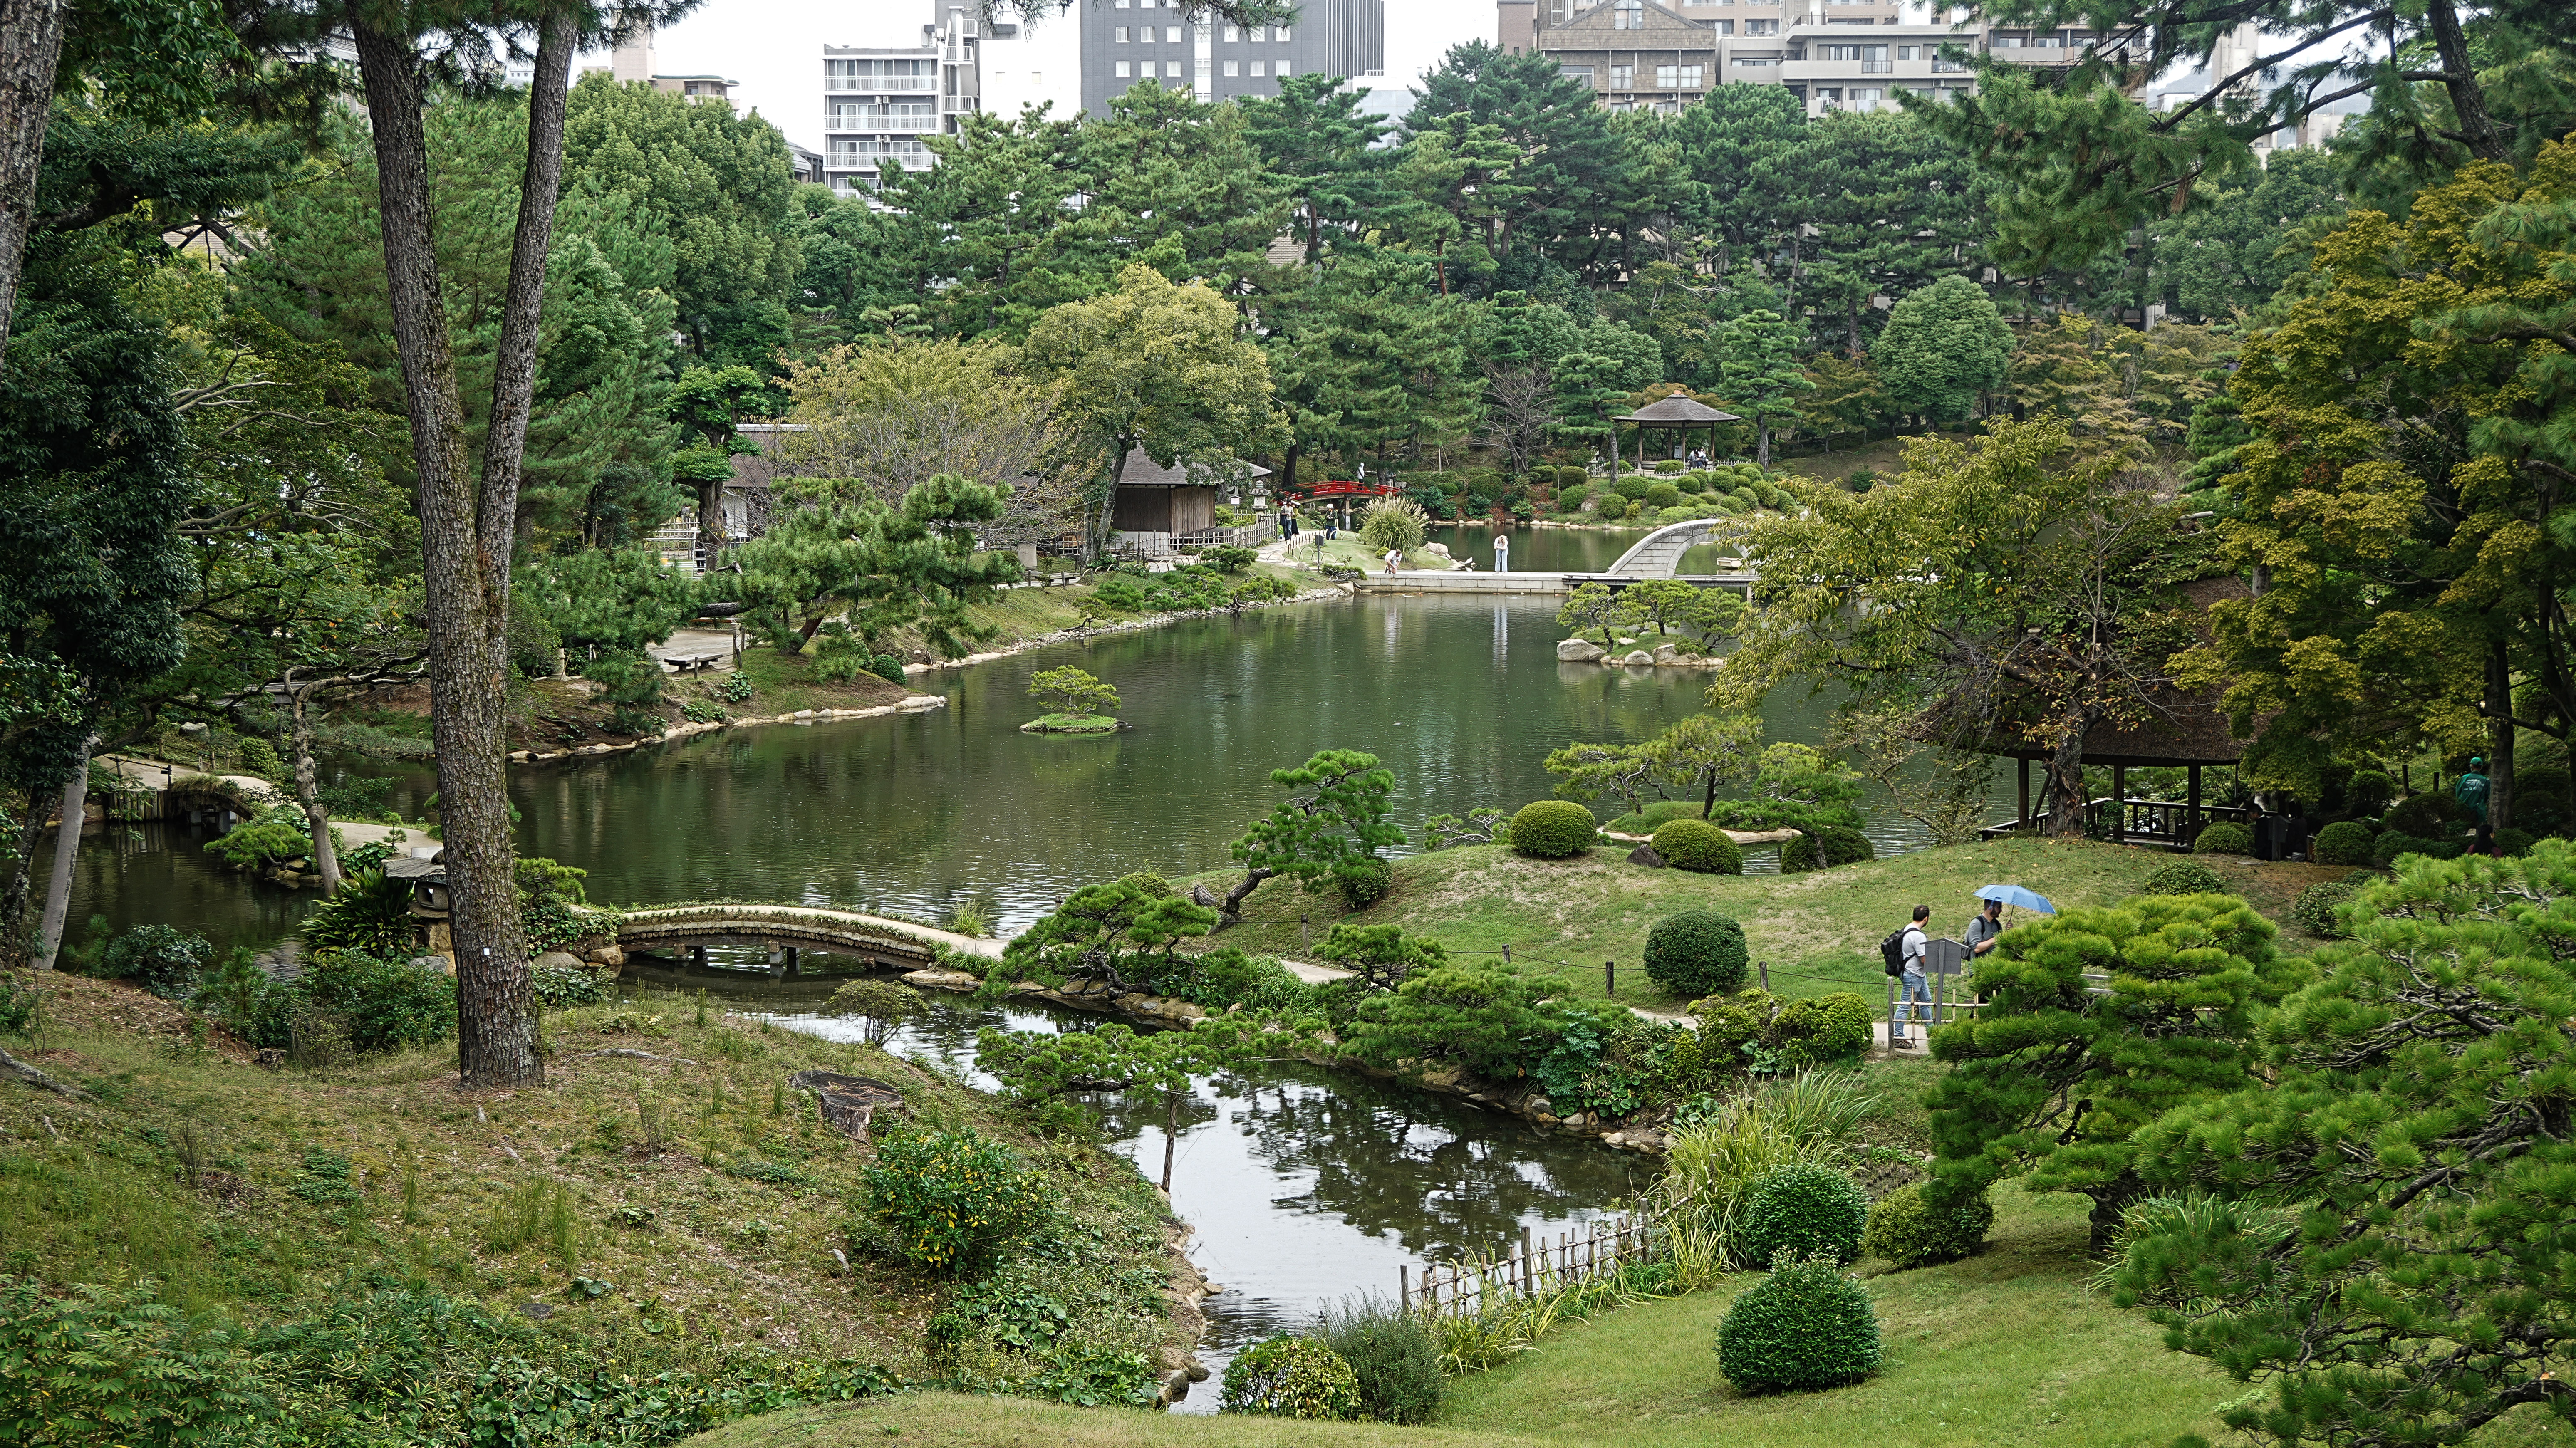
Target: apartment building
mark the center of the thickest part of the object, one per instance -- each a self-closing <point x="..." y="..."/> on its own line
<point x="633" y="61"/>
<point x="879" y="101"/>
<point x="1831" y="54"/>
<point x="1126" y="41"/>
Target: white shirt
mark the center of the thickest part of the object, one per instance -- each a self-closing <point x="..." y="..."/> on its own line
<point x="1916" y="947"/>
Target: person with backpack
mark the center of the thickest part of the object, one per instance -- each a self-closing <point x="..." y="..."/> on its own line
<point x="1904" y="953"/>
<point x="1982" y="929"/>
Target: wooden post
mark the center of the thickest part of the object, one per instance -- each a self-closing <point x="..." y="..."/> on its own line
<point x="1610" y="977"/>
<point x="2191" y="810"/>
<point x="1764" y="967"/>
<point x="2119" y="804"/>
<point x="1171" y="1133"/>
<point x="1507" y="957"/>
<point x="1525" y="1262"/>
<point x="2024" y="820"/>
<point x="1404" y="1285"/>
<point x="1305" y="923"/>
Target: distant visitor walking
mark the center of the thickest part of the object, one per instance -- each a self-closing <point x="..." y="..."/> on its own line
<point x="2471" y="792"/>
<point x="1912" y="946"/>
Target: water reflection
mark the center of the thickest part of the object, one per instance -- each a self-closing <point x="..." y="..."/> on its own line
<point x="1303" y="1185"/>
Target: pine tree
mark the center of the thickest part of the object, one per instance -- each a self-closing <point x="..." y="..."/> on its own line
<point x="1759" y="375"/>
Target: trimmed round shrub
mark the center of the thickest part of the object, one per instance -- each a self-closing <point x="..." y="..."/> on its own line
<point x="1699" y="846"/>
<point x="2369" y="791"/>
<point x="1366" y="883"/>
<point x="1567" y="477"/>
<point x="1290" y="1377"/>
<point x="1692" y="482"/>
<point x="2345" y="842"/>
<point x="1910" y="1232"/>
<point x="1631" y="486"/>
<point x="950" y="1201"/>
<point x="1697" y="953"/>
<point x="2224" y="838"/>
<point x="1826" y="1028"/>
<point x="2186" y="877"/>
<point x="1553" y="829"/>
<point x="1570" y="500"/>
<point x="2314" y="911"/>
<point x="2513" y="841"/>
<point x="1807" y="1327"/>
<point x="2429" y="817"/>
<point x="2393" y="843"/>
<point x="1662" y="495"/>
<point x="1842" y="845"/>
<point x="1801" y="1211"/>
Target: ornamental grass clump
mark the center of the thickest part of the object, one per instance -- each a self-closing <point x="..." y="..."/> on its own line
<point x="1805" y="1210"/>
<point x="1808" y="1327"/>
<point x="1290" y="1377"/>
<point x="949" y="1201"/>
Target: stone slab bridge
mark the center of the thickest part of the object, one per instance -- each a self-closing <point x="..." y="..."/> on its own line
<point x="876" y="938"/>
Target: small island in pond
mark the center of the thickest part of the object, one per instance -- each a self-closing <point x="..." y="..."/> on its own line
<point x="1083" y="704"/>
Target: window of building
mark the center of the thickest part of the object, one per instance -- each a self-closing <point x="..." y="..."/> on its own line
<point x="879" y="75"/>
<point x="1761" y="27"/>
<point x="843" y="117"/>
<point x="1279" y="33"/>
<point x="1171" y="35"/>
<point x="1124" y="4"/>
<point x="1623" y="77"/>
<point x="1757" y="60"/>
<point x="1865" y="98"/>
<point x="1119" y="68"/>
<point x="1628" y="15"/>
<point x="1679" y="77"/>
<point x="1261" y="67"/>
<point x="1722" y="27"/>
<point x="1233" y="33"/>
<point x="1947" y="65"/>
<point x="1118" y="35"/>
<point x="1233" y="67"/>
<point x="2006" y="42"/>
<point x="1171" y="70"/>
<point x="1282" y="70"/>
<point x="1582" y="73"/>
<point x="1909" y="52"/>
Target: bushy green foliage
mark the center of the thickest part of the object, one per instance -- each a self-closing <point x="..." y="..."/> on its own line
<point x="1909" y="1231"/>
<point x="20" y="1006"/>
<point x="1365" y="883"/>
<point x="561" y="987"/>
<point x="1662" y="495"/>
<point x="2514" y="841"/>
<point x="1699" y="846"/>
<point x="1394" y="523"/>
<point x="1607" y="1059"/>
<point x="1697" y="953"/>
<point x="1802" y="1211"/>
<point x="1395" y="1362"/>
<point x="385" y="1004"/>
<point x="117" y="1366"/>
<point x="1838" y="845"/>
<point x="2429" y="817"/>
<point x="2317" y="906"/>
<point x="1073" y="691"/>
<point x="370" y="912"/>
<point x="1486" y="1019"/>
<point x="2404" y="1118"/>
<point x="2186" y="877"/>
<point x="1631" y="486"/>
<point x="950" y="1200"/>
<point x="1553" y="829"/>
<point x="162" y="959"/>
<point x="1227" y="559"/>
<point x="1822" y="1030"/>
<point x="2385" y="850"/>
<point x="2345" y="842"/>
<point x="1807" y="1327"/>
<point x="1290" y="1377"/>
<point x="273" y="836"/>
<point x="1756" y="1030"/>
<point x="1383" y="955"/>
<point x="2186" y="975"/>
<point x="2369" y="791"/>
<point x="2224" y="838"/>
<point x="881" y="1005"/>
<point x="1228" y="976"/>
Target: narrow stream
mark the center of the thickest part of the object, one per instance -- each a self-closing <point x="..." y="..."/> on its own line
<point x="1305" y="1186"/>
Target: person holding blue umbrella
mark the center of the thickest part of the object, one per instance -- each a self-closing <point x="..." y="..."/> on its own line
<point x="1981" y="932"/>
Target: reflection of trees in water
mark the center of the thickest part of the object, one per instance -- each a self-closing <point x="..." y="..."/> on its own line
<point x="1415" y="1169"/>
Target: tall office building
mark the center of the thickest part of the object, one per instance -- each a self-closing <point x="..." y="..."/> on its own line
<point x="879" y="101"/>
<point x="1127" y="41"/>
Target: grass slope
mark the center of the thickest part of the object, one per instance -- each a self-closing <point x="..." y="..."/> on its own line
<point x="1819" y="931"/>
<point x="2006" y="1347"/>
<point x="745" y="1204"/>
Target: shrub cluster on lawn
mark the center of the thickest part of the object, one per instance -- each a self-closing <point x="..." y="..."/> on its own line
<point x="1290" y="1377"/>
<point x="2185" y="877"/>
<point x="2224" y="838"/>
<point x="1553" y="829"/>
<point x="1697" y="845"/>
<point x="1804" y="1210"/>
<point x="1807" y="1327"/>
<point x="1908" y="1231"/>
<point x="1697" y="953"/>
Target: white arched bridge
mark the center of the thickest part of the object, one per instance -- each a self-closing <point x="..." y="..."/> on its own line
<point x="1659" y="554"/>
<point x="875" y="938"/>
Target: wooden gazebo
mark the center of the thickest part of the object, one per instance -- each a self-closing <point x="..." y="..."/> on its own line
<point x="1682" y="413"/>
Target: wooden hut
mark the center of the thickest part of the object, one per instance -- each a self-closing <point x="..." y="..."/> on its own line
<point x="1157" y="506"/>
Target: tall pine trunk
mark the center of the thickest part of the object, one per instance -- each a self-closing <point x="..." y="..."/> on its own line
<point x="308" y="796"/>
<point x="468" y="524"/>
<point x="2499" y="737"/>
<point x="2065" y="791"/>
<point x="58" y="891"/>
<point x="31" y="44"/>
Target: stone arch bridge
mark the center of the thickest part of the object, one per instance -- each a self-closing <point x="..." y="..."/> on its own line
<point x="1659" y="554"/>
<point x="876" y="938"/>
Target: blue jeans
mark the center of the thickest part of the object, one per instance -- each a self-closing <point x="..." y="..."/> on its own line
<point x="1916" y="988"/>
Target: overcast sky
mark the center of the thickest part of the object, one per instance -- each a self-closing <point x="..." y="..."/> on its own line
<point x="774" y="48"/>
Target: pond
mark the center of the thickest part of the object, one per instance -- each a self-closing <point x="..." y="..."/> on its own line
<point x="1304" y="1186"/>
<point x="1462" y="697"/>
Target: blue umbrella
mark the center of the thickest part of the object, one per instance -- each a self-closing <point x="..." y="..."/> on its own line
<point x="2016" y="895"/>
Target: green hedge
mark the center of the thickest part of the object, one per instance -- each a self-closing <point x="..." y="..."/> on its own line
<point x="1842" y="845"/>
<point x="2186" y="877"/>
<point x="1290" y="1377"/>
<point x="1699" y="846"/>
<point x="1909" y="1232"/>
<point x="1826" y="1028"/>
<point x="1365" y="883"/>
<point x="2345" y="842"/>
<point x="1804" y="1210"/>
<point x="1807" y="1327"/>
<point x="1697" y="953"/>
<point x="2224" y="838"/>
<point x="2314" y="912"/>
<point x="1553" y="829"/>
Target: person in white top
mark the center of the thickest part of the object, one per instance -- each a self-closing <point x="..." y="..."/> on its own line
<point x="1917" y="984"/>
<point x="1394" y="556"/>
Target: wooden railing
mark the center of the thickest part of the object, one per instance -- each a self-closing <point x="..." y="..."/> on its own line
<point x="1533" y="1267"/>
<point x="2139" y="821"/>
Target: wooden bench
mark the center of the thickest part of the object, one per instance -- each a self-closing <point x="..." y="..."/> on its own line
<point x="692" y="663"/>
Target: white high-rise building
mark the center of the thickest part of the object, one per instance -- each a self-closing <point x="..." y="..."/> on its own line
<point x="879" y="101"/>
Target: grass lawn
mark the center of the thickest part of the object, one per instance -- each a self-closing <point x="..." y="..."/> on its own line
<point x="1022" y="614"/>
<point x="2006" y="1347"/>
<point x="785" y="683"/>
<point x="1819" y="931"/>
<point x="386" y="1167"/>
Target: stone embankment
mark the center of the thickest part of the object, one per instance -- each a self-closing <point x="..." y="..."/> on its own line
<point x="1642" y="1133"/>
<point x="1662" y="656"/>
<point x="912" y="705"/>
